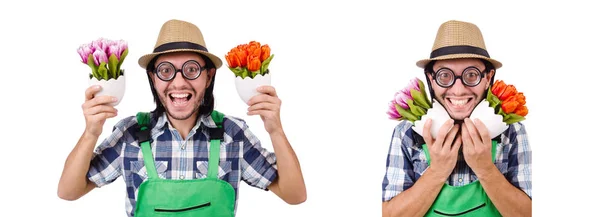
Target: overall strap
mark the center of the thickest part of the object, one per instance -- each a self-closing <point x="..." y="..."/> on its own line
<point x="143" y="136"/>
<point x="215" y="136"/>
<point x="494" y="144"/>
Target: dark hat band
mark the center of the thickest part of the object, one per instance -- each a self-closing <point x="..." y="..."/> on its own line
<point x="179" y="45"/>
<point x="460" y="49"/>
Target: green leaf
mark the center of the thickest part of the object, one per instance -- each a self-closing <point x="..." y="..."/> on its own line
<point x="265" y="64"/>
<point x="102" y="71"/>
<point x="513" y="118"/>
<point x="494" y="101"/>
<point x="244" y="73"/>
<point x="416" y="110"/>
<point x="424" y="94"/>
<point x="123" y="55"/>
<point x="254" y="73"/>
<point x="112" y="66"/>
<point x="92" y="65"/>
<point x="406" y="115"/>
<point x="237" y="71"/>
<point x="419" y="99"/>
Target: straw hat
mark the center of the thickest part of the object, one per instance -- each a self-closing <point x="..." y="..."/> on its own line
<point x="176" y="36"/>
<point x="457" y="39"/>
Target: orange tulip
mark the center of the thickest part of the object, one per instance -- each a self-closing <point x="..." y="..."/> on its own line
<point x="253" y="63"/>
<point x="520" y="98"/>
<point x="265" y="52"/>
<point x="232" y="59"/>
<point x="242" y="55"/>
<point x="509" y="91"/>
<point x="498" y="87"/>
<point x="522" y="110"/>
<point x="254" y="44"/>
<point x="509" y="106"/>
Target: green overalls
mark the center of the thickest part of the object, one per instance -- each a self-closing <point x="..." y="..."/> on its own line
<point x="210" y="197"/>
<point x="467" y="200"/>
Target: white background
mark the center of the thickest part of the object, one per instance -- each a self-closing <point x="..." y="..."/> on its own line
<point x="336" y="66"/>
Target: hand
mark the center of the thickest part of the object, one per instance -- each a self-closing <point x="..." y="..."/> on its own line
<point x="477" y="146"/>
<point x="267" y="105"/>
<point x="96" y="110"/>
<point x="443" y="151"/>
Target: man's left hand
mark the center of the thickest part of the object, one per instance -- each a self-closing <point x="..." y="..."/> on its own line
<point x="267" y="105"/>
<point x="477" y="146"/>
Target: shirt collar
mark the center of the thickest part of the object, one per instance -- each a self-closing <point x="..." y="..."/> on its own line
<point x="205" y="120"/>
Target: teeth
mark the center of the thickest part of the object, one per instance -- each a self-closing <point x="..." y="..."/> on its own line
<point x="180" y="95"/>
<point x="458" y="102"/>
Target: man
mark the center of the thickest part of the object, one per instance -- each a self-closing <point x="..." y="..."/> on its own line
<point x="456" y="174"/>
<point x="177" y="168"/>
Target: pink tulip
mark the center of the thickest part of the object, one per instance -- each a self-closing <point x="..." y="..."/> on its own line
<point x="100" y="57"/>
<point x="401" y="97"/>
<point x="413" y="84"/>
<point x="114" y="49"/>
<point x="84" y="52"/>
<point x="392" y="112"/>
<point x="100" y="44"/>
<point x="122" y="47"/>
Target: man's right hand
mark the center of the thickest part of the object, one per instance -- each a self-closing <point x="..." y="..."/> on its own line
<point x="443" y="151"/>
<point x="96" y="110"/>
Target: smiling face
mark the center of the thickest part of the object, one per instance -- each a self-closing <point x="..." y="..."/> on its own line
<point x="460" y="100"/>
<point x="181" y="97"/>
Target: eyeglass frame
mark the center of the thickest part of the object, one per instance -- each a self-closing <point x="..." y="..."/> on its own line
<point x="481" y="76"/>
<point x="200" y="69"/>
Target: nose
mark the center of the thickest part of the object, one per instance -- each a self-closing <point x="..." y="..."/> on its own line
<point x="458" y="88"/>
<point x="178" y="80"/>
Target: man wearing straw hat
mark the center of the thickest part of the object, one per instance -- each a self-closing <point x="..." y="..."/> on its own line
<point x="455" y="174"/>
<point x="183" y="158"/>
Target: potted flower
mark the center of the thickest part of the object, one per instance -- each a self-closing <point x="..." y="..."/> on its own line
<point x="105" y="58"/>
<point x="249" y="63"/>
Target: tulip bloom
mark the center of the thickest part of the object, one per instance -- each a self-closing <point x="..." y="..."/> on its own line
<point x="401" y="98"/>
<point x="253" y="63"/>
<point x="393" y="112"/>
<point x="265" y="52"/>
<point x="100" y="57"/>
<point x="84" y="52"/>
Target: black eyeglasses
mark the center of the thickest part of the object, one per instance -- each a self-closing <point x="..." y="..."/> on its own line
<point x="470" y="77"/>
<point x="191" y="70"/>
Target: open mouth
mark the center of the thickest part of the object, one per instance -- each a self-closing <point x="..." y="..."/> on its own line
<point x="180" y="99"/>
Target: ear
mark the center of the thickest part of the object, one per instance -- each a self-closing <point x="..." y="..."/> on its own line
<point x="210" y="75"/>
<point x="151" y="77"/>
<point x="489" y="76"/>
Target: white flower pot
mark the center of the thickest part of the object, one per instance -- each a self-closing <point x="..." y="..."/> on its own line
<point x="492" y="121"/>
<point x="246" y="88"/>
<point x="112" y="87"/>
<point x="482" y="111"/>
<point x="438" y="115"/>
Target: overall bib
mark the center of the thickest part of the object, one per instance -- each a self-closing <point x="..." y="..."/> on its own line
<point x="184" y="198"/>
<point x="467" y="200"/>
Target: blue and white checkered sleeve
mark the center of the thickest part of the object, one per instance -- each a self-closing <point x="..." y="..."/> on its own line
<point x="259" y="168"/>
<point x="105" y="166"/>
<point x="399" y="174"/>
<point x="519" y="159"/>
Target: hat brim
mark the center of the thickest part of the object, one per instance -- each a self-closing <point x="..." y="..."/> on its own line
<point x="423" y="63"/>
<point x="145" y="59"/>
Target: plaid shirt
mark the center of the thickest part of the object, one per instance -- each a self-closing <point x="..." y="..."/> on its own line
<point x="406" y="161"/>
<point x="242" y="157"/>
